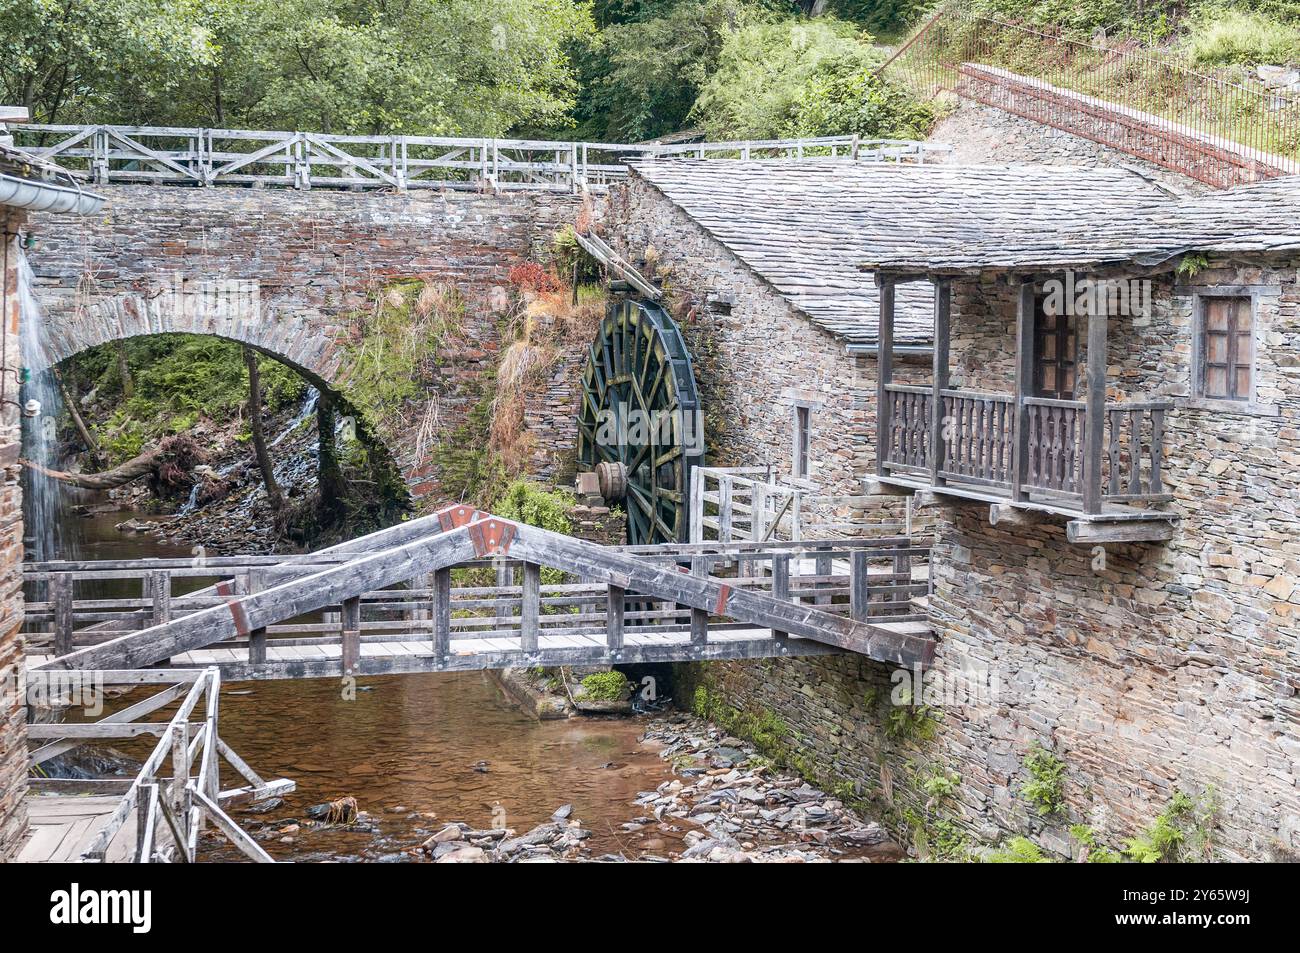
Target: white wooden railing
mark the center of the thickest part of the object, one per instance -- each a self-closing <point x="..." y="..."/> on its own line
<point x="303" y="160"/>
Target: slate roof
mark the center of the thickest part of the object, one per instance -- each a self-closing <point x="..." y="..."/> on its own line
<point x="1259" y="218"/>
<point x="808" y="226"/>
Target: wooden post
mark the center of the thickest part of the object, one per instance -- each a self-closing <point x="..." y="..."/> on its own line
<point x="726" y="490"/>
<point x="1024" y="387"/>
<point x="699" y="617"/>
<point x="614" y="607"/>
<point x="61" y="596"/>
<point x="160" y="592"/>
<point x="440" y="611"/>
<point x="530" y="607"/>
<point x="697" y="504"/>
<point x="859" y="594"/>
<point x="256" y="637"/>
<point x="780" y="586"/>
<point x="942" y="335"/>
<point x="351" y="634"/>
<point x="1094" y="421"/>
<point x="823" y="566"/>
<point x="884" y="373"/>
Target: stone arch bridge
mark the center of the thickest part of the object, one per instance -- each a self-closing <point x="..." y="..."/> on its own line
<point x="286" y="272"/>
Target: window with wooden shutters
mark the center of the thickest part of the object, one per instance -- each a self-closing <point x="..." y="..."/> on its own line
<point x="1226" y="348"/>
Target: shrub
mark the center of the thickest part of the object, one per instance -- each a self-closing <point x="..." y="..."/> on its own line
<point x="1222" y="37"/>
<point x="1018" y="850"/>
<point x="803" y="78"/>
<point x="1044" y="789"/>
<point x="605" y="686"/>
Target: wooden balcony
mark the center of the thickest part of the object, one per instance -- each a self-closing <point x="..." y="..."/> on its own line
<point x="1099" y="464"/>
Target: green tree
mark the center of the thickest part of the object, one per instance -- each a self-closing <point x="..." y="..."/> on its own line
<point x="356" y="66"/>
<point x="65" y="58"/>
<point x="643" y="71"/>
<point x="803" y="78"/>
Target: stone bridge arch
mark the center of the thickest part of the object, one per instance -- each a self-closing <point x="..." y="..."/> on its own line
<point x="285" y="272"/>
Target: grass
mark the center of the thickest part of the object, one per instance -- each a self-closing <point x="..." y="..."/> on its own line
<point x="1222" y="37"/>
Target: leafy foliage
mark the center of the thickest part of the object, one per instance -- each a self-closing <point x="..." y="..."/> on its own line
<point x="177" y="378"/>
<point x="366" y="66"/>
<point x="1085" y="836"/>
<point x="1181" y="832"/>
<point x="1045" y="787"/>
<point x="803" y="78"/>
<point x="536" y="505"/>
<point x="1018" y="850"/>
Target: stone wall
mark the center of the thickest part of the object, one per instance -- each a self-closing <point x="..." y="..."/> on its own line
<point x="1146" y="669"/>
<point x="976" y="134"/>
<point x="285" y="271"/>
<point x="13" y="710"/>
<point x="1183" y="149"/>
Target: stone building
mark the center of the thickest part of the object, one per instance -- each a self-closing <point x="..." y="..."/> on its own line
<point x="23" y="186"/>
<point x="1113" y="501"/>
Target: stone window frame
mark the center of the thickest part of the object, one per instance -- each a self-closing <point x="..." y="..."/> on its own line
<point x="806" y="405"/>
<point x="1250" y="407"/>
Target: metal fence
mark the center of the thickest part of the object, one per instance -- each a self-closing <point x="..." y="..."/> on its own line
<point x="1195" y="114"/>
<point x="304" y="160"/>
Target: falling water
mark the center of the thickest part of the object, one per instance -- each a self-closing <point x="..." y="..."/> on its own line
<point x="42" y="495"/>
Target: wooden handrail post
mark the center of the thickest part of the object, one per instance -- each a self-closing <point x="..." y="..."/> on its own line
<point x="256" y="637"/>
<point x="61" y="596"/>
<point x="530" y="607"/>
<point x="1024" y="387"/>
<point x="884" y="372"/>
<point x="160" y="593"/>
<point x="440" y="614"/>
<point x="699" y="617"/>
<point x="942" y="335"/>
<point x="1094" y="421"/>
<point x="351" y="635"/>
<point x="859" y="593"/>
<point x="615" y="605"/>
<point x="781" y="587"/>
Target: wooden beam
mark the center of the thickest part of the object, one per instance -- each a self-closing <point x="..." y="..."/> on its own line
<point x="884" y="372"/>
<point x="942" y="336"/>
<point x="351" y="634"/>
<point x="1024" y="387"/>
<point x="699" y="616"/>
<point x="440" y="613"/>
<point x="1094" y="421"/>
<point x="615" y="606"/>
<point x="61" y="595"/>
<point x="530" y="607"/>
<point x="1136" y="531"/>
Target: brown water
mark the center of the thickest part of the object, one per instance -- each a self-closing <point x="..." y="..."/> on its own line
<point x="413" y="742"/>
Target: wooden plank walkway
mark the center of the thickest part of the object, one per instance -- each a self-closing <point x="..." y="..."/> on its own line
<point x="409" y="655"/>
<point x="63" y="826"/>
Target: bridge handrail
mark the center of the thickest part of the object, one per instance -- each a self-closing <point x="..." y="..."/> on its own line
<point x="177" y="788"/>
<point x="470" y="537"/>
<point x="198" y="156"/>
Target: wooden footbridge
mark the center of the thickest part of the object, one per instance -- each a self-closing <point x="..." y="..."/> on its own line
<point x="462" y="589"/>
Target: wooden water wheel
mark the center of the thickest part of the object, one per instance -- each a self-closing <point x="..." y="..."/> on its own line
<point x="639" y="426"/>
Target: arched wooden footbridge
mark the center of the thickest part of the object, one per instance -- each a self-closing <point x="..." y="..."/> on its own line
<point x="462" y="589"/>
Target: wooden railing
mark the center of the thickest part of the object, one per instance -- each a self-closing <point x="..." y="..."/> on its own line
<point x="486" y="599"/>
<point x="177" y="790"/>
<point x="495" y="587"/>
<point x="978" y="440"/>
<point x="304" y="160"/>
